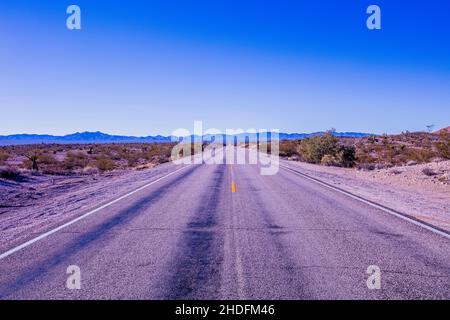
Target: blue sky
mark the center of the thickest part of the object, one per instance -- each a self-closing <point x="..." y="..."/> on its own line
<point x="150" y="67"/>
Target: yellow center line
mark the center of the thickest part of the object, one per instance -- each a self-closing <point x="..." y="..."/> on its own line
<point x="233" y="184"/>
<point x="233" y="187"/>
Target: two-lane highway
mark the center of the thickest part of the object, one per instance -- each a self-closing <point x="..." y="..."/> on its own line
<point x="227" y="232"/>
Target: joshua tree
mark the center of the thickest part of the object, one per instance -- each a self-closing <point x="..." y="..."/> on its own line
<point x="34" y="159"/>
<point x="430" y="128"/>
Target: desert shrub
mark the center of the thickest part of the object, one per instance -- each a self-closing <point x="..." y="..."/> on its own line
<point x="49" y="165"/>
<point x="75" y="160"/>
<point x="328" y="160"/>
<point x="419" y="155"/>
<point x="3" y="157"/>
<point x="32" y="161"/>
<point x="346" y="156"/>
<point x="165" y="150"/>
<point x="90" y="170"/>
<point x="288" y="148"/>
<point x="443" y="145"/>
<point x="9" y="173"/>
<point x="104" y="163"/>
<point x="163" y="159"/>
<point x="47" y="159"/>
<point x="132" y="159"/>
<point x="314" y="149"/>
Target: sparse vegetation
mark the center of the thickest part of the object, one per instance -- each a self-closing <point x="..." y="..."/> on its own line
<point x="104" y="163"/>
<point x="54" y="159"/>
<point x="369" y="153"/>
<point x="75" y="160"/>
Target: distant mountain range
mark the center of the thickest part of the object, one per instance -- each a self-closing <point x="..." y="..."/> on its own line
<point x="100" y="137"/>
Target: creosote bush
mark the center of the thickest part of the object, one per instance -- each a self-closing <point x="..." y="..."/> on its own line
<point x="75" y="160"/>
<point x="104" y="163"/>
<point x="327" y="150"/>
<point x="3" y="157"/>
<point x="443" y="145"/>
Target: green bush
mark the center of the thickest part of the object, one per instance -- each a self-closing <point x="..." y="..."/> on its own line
<point x="314" y="149"/>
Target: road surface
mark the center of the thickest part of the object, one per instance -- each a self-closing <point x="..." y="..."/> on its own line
<point x="227" y="232"/>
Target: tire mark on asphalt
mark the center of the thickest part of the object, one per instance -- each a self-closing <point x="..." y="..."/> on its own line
<point x="88" y="239"/>
<point x="196" y="267"/>
<point x="292" y="280"/>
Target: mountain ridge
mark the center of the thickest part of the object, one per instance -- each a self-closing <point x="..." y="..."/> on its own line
<point x="100" y="137"/>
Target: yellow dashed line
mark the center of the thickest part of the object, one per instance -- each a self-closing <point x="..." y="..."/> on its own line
<point x="233" y="184"/>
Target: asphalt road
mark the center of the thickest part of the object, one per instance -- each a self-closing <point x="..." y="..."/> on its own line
<point x="189" y="236"/>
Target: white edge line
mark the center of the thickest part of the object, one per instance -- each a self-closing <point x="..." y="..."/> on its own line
<point x="417" y="223"/>
<point x="44" y="235"/>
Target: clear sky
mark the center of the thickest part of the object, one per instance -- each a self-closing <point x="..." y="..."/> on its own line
<point x="150" y="67"/>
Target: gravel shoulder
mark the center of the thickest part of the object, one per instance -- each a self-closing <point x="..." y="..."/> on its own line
<point x="405" y="188"/>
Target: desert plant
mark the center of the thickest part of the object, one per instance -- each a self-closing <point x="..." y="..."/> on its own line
<point x="288" y="148"/>
<point x="103" y="163"/>
<point x="328" y="160"/>
<point x="131" y="158"/>
<point x="314" y="149"/>
<point x="346" y="156"/>
<point x="47" y="159"/>
<point x="32" y="161"/>
<point x="443" y="145"/>
<point x="75" y="160"/>
<point x="419" y="155"/>
<point x="3" y="157"/>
